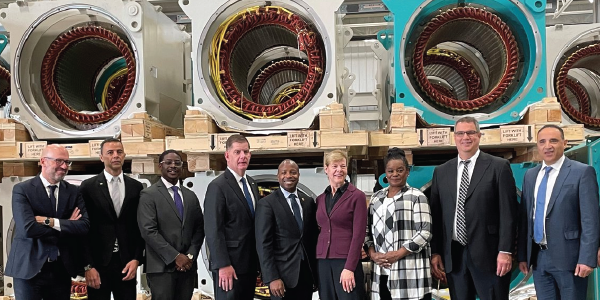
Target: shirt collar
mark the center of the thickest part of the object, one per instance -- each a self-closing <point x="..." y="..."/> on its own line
<point x="109" y="177"/>
<point x="287" y="194"/>
<point x="473" y="158"/>
<point x="167" y="184"/>
<point x="237" y="177"/>
<point x="46" y="183"/>
<point x="555" y="166"/>
<point x="342" y="189"/>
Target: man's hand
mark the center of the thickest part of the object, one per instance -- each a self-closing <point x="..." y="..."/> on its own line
<point x="437" y="268"/>
<point x="42" y="219"/>
<point x="277" y="288"/>
<point x="347" y="280"/>
<point x="582" y="270"/>
<point x="524" y="267"/>
<point x="130" y="269"/>
<point x="92" y="278"/>
<point x="503" y="264"/>
<point x="226" y="277"/>
<point x="75" y="215"/>
<point x="183" y="262"/>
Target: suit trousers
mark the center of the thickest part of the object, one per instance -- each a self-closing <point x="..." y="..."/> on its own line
<point x="51" y="283"/>
<point x="466" y="280"/>
<point x="243" y="288"/>
<point x="330" y="287"/>
<point x="304" y="289"/>
<point x="384" y="291"/>
<point x="172" y="285"/>
<point x="551" y="283"/>
<point x="111" y="278"/>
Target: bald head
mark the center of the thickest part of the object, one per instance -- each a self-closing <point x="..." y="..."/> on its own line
<point x="54" y="163"/>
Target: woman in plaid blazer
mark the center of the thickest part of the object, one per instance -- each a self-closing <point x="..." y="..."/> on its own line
<point x="398" y="235"/>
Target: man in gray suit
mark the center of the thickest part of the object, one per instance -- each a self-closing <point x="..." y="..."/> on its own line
<point x="171" y="223"/>
<point x="558" y="229"/>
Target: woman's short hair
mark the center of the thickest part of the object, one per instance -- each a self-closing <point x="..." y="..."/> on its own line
<point x="335" y="155"/>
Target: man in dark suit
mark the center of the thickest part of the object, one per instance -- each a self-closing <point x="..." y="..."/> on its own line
<point x="286" y="237"/>
<point x="229" y="206"/>
<point x="171" y="223"/>
<point x="558" y="229"/>
<point x="474" y="208"/>
<point x="114" y="246"/>
<point x="50" y="218"/>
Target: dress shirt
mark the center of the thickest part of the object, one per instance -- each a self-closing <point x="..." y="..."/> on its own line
<point x="287" y="194"/>
<point x="461" y="166"/>
<point x="46" y="183"/>
<point x="551" y="181"/>
<point x="330" y="199"/>
<point x="120" y="183"/>
<point x="237" y="179"/>
<point x="168" y="185"/>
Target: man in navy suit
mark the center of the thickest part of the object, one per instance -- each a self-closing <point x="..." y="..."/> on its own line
<point x="558" y="228"/>
<point x="50" y="218"/>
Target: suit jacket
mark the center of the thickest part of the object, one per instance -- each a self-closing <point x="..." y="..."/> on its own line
<point x="280" y="243"/>
<point x="343" y="230"/>
<point x="33" y="241"/>
<point x="106" y="227"/>
<point x="490" y="210"/>
<point x="571" y="218"/>
<point x="230" y="226"/>
<point x="165" y="232"/>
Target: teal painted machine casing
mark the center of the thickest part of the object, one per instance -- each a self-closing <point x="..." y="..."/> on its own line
<point x="526" y="18"/>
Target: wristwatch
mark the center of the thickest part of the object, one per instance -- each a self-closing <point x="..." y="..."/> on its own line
<point x="190" y="256"/>
<point x="87" y="268"/>
<point x="47" y="221"/>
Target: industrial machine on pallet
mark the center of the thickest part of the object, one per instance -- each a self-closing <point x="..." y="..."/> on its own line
<point x="482" y="58"/>
<point x="78" y="67"/>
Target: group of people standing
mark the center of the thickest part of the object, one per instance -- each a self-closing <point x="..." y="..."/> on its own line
<point x="466" y="234"/>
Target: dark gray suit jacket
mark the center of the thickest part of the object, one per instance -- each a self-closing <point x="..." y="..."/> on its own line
<point x="571" y="218"/>
<point x="229" y="225"/>
<point x="490" y="210"/>
<point x="165" y="233"/>
<point x="280" y="243"/>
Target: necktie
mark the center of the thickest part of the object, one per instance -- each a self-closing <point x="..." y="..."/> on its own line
<point x="247" y="195"/>
<point x="115" y="194"/>
<point x="296" y="210"/>
<point x="461" y="223"/>
<point x="53" y="199"/>
<point x="540" y="205"/>
<point x="178" y="201"/>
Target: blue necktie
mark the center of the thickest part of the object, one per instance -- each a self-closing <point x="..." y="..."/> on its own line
<point x="178" y="201"/>
<point x="296" y="210"/>
<point x="538" y="225"/>
<point x="53" y="199"/>
<point x="247" y="195"/>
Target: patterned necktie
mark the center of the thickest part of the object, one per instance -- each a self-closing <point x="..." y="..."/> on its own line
<point x="247" y="195"/>
<point x="461" y="223"/>
<point x="53" y="199"/>
<point x="296" y="210"/>
<point x="115" y="194"/>
<point x="540" y="205"/>
<point x="178" y="201"/>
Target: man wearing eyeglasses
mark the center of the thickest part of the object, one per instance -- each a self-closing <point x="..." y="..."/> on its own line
<point x="474" y="208"/>
<point x="114" y="247"/>
<point x="171" y="222"/>
<point x="50" y="220"/>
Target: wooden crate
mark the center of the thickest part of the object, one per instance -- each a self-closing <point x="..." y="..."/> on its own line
<point x="28" y="168"/>
<point x="402" y="118"/>
<point x="336" y="140"/>
<point x="548" y="111"/>
<point x="333" y="119"/>
<point x="144" y="148"/>
<point x="143" y="129"/>
<point x="23" y="150"/>
<point x="205" y="162"/>
<point x="12" y="132"/>
<point x="148" y="165"/>
<point x="197" y="123"/>
<point x="435" y="137"/>
<point x="400" y="140"/>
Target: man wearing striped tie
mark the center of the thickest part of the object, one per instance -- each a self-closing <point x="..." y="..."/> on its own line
<point x="558" y="228"/>
<point x="474" y="209"/>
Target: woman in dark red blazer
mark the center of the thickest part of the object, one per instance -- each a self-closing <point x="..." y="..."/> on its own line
<point x="342" y="217"/>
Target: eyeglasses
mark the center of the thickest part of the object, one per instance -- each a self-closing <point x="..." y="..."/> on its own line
<point x="60" y="161"/>
<point x="462" y="133"/>
<point x="176" y="163"/>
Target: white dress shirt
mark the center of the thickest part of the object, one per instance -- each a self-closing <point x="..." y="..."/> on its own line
<point x="551" y="181"/>
<point x="237" y="179"/>
<point x="120" y="183"/>
<point x="287" y="194"/>
<point x="461" y="166"/>
<point x="168" y="185"/>
<point x="46" y="184"/>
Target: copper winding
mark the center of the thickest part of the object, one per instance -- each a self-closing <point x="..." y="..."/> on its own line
<point x="473" y="14"/>
<point x="562" y="83"/>
<point x="308" y="41"/>
<point x="78" y="289"/>
<point x="271" y="70"/>
<point x="461" y="66"/>
<point x="4" y="75"/>
<point x="48" y="81"/>
<point x="581" y="96"/>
